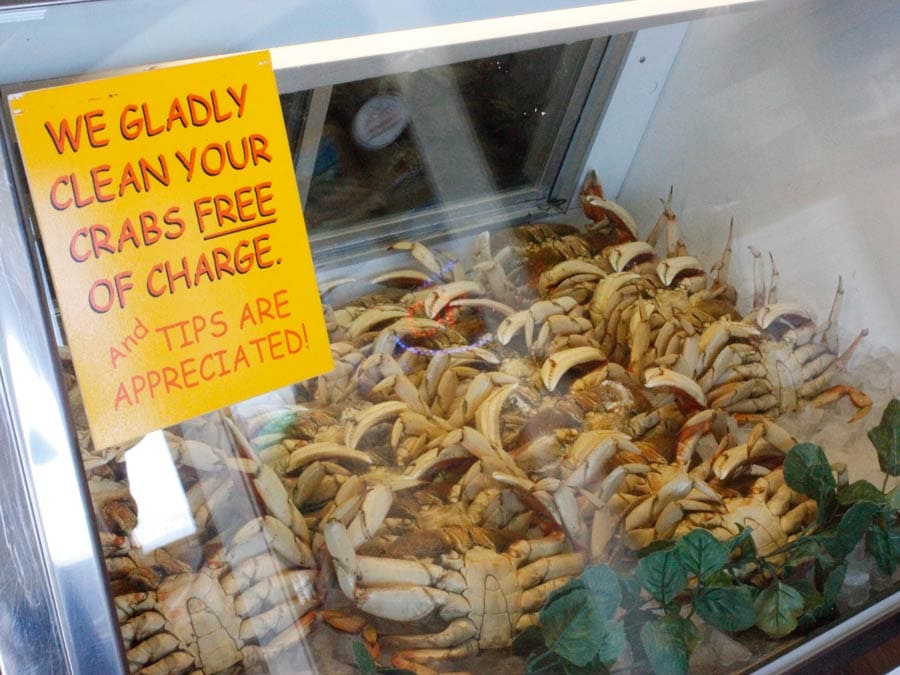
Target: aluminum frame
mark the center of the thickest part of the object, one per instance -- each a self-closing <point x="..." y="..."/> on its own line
<point x="56" y="599"/>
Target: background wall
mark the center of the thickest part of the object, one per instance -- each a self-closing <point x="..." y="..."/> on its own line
<point x="786" y="116"/>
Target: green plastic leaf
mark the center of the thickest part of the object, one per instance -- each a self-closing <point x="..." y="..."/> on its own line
<point x="570" y="586"/>
<point x="612" y="644"/>
<point x="364" y="661"/>
<point x="832" y="586"/>
<point x="806" y="470"/>
<point x="576" y="629"/>
<point x="595" y="667"/>
<point x="662" y="575"/>
<point x="528" y="641"/>
<point x="850" y="529"/>
<point x="777" y="609"/>
<point x="700" y="554"/>
<point x="665" y="645"/>
<point x="743" y="546"/>
<point x="894" y="499"/>
<point x="730" y="609"/>
<point x="880" y="547"/>
<point x="603" y="585"/>
<point x="631" y="593"/>
<point x="545" y="662"/>
<point x="861" y="491"/>
<point x="654" y="546"/>
<point x="886" y="439"/>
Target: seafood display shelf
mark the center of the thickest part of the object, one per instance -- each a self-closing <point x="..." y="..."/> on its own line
<point x="497" y="422"/>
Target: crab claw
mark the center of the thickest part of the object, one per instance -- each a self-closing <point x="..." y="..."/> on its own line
<point x="560" y="363"/>
<point x="858" y="398"/>
<point x="684" y="387"/>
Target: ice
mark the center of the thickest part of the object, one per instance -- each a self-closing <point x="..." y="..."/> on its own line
<point x="877" y="373"/>
<point x="718" y="650"/>
<point x="855" y="590"/>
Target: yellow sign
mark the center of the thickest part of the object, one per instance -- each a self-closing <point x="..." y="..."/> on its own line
<point x="169" y="216"/>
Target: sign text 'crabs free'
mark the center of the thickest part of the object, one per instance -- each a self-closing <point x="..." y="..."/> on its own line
<point x="170" y="220"/>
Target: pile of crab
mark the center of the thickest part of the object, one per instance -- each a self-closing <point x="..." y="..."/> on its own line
<point x="488" y="429"/>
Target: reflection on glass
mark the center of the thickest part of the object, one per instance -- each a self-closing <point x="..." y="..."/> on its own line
<point x="410" y="141"/>
<point x="163" y="512"/>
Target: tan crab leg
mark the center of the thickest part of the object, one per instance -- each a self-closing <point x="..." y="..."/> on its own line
<point x="772" y="298"/>
<point x="173" y="662"/>
<point x="264" y="534"/>
<point x="623" y="257"/>
<point x="721" y="267"/>
<point x="153" y="648"/>
<point x="767" y="442"/>
<point x="487" y="303"/>
<point x="276" y="619"/>
<point x="609" y="293"/>
<point x="276" y="589"/>
<point x="614" y="211"/>
<point x="423" y="255"/>
<point x="407" y="603"/>
<point x="733" y="395"/>
<point x="560" y="325"/>
<point x="526" y="318"/>
<point x="447" y="641"/>
<point x="267" y="484"/>
<point x="243" y="575"/>
<point x="141" y="627"/>
<point x="373" y="318"/>
<point x="558" y="364"/>
<point x="674" y="244"/>
<point x="405" y="390"/>
<point x="759" y="284"/>
<point x="414" y="659"/>
<point x="639" y="328"/>
<point x="704" y="422"/>
<point x="324" y="450"/>
<point x="534" y="598"/>
<point x="357" y="427"/>
<point x="716" y="336"/>
<point x="565" y="270"/>
<point x="828" y="330"/>
<point x="404" y="278"/>
<point x="552" y="567"/>
<point x="801" y="327"/>
<point x="441" y="296"/>
<point x="388" y="339"/>
<point x="669" y="269"/>
<point x="858" y="398"/>
<point x="487" y="415"/>
<point x="478" y="391"/>
<point x="663" y="377"/>
<point x="318" y="483"/>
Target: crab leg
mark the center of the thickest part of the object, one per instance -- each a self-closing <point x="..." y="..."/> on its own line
<point x="380" y="412"/>
<point x="721" y="267"/>
<point x="558" y="364"/>
<point x="439" y="297"/>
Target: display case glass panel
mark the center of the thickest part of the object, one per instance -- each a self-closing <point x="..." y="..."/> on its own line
<point x="557" y="437"/>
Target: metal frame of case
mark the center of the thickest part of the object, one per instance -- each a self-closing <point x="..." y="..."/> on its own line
<point x="57" y="615"/>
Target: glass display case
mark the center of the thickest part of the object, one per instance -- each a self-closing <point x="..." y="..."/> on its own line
<point x="602" y="286"/>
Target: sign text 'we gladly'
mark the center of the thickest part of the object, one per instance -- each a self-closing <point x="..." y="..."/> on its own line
<point x="169" y="216"/>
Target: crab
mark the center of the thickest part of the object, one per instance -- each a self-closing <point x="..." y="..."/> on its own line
<point x="765" y="366"/>
<point x="484" y="596"/>
<point x="190" y="622"/>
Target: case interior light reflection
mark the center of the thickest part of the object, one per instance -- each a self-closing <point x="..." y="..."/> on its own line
<point x="164" y="515"/>
<point x="20" y="15"/>
<point x="66" y="534"/>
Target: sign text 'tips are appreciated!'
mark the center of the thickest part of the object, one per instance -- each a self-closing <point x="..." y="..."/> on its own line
<point x="169" y="216"/>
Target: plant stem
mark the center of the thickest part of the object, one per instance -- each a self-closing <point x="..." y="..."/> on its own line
<point x="535" y="661"/>
<point x="884" y="484"/>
